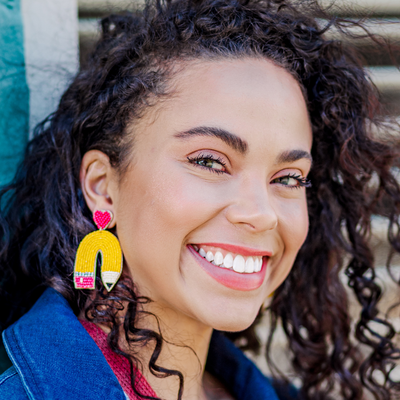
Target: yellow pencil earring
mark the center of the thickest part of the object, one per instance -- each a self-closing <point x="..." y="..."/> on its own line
<point x="99" y="242"/>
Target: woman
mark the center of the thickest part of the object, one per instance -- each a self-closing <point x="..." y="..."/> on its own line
<point x="227" y="145"/>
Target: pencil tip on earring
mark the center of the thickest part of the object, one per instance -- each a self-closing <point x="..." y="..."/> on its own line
<point x="110" y="278"/>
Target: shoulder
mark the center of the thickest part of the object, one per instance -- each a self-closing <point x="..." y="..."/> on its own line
<point x="54" y="356"/>
<point x="11" y="387"/>
<point x="230" y="366"/>
<point x="285" y="390"/>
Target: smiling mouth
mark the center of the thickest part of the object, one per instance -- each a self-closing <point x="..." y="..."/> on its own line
<point x="247" y="268"/>
<point x="235" y="262"/>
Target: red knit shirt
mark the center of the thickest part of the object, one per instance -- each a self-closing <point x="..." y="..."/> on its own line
<point x="119" y="364"/>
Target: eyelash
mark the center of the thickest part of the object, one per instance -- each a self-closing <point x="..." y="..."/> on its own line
<point x="202" y="157"/>
<point x="302" y="182"/>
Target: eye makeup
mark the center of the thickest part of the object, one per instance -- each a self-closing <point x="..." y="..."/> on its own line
<point x="300" y="181"/>
<point x="209" y="162"/>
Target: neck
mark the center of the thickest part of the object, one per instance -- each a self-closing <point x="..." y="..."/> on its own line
<point x="185" y="344"/>
<point x="184" y="349"/>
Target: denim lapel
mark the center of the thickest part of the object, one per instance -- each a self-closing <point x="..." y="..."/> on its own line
<point x="233" y="369"/>
<point x="55" y="356"/>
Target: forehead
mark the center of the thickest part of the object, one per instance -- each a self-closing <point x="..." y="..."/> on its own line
<point x="252" y="98"/>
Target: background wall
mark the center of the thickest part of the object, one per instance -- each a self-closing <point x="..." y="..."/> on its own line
<point x="51" y="52"/>
<point x="14" y="93"/>
<point x="39" y="55"/>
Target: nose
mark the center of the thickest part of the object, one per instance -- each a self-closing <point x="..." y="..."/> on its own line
<point x="252" y="208"/>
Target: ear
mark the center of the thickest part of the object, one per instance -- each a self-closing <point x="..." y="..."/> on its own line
<point x="98" y="182"/>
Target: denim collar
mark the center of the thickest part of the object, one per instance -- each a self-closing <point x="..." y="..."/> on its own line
<point x="70" y="367"/>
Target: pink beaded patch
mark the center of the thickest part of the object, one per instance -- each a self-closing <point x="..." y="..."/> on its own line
<point x="84" y="282"/>
<point x="102" y="218"/>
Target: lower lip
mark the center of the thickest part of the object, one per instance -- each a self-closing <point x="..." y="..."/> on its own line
<point x="229" y="278"/>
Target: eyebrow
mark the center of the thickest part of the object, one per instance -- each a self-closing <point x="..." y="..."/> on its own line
<point x="239" y="144"/>
<point x="229" y="138"/>
<point x="290" y="156"/>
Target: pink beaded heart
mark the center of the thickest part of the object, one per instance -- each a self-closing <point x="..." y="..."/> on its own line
<point x="102" y="218"/>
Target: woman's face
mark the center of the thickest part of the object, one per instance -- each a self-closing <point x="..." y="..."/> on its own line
<point x="216" y="173"/>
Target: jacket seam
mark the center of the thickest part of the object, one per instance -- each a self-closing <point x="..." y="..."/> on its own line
<point x="8" y="376"/>
<point x="29" y="392"/>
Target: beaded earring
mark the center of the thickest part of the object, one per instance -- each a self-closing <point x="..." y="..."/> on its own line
<point x="105" y="243"/>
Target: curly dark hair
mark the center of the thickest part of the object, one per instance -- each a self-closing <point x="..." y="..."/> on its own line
<point x="44" y="215"/>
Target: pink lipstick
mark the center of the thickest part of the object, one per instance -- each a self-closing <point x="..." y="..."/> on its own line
<point x="228" y="277"/>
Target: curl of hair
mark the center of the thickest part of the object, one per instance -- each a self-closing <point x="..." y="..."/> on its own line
<point x="44" y="215"/>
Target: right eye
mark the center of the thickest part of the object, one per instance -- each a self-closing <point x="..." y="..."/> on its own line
<point x="209" y="162"/>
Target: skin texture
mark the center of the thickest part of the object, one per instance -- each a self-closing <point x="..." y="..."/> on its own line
<point x="164" y="202"/>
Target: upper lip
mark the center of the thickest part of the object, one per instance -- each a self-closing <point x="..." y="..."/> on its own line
<point x="233" y="248"/>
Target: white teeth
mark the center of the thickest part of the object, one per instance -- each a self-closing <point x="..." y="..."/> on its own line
<point x="249" y="267"/>
<point x="228" y="261"/>
<point x="209" y="256"/>
<point x="219" y="258"/>
<point x="256" y="264"/>
<point x="239" y="264"/>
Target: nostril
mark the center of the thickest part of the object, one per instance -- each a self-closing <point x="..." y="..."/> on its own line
<point x="256" y="215"/>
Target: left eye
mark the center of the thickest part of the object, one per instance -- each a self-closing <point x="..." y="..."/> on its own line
<point x="287" y="180"/>
<point x="293" y="181"/>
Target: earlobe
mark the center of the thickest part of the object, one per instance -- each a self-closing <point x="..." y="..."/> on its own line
<point x="96" y="178"/>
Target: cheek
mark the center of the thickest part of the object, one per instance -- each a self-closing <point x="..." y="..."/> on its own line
<point x="294" y="224"/>
<point x="158" y="209"/>
<point x="293" y="229"/>
<point x="178" y="203"/>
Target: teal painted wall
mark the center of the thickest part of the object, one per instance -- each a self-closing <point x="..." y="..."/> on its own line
<point x="14" y="92"/>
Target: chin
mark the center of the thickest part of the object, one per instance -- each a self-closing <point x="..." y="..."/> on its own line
<point x="233" y="325"/>
<point x="234" y="321"/>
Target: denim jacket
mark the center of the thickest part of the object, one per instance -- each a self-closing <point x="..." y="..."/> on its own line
<point x="54" y="357"/>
